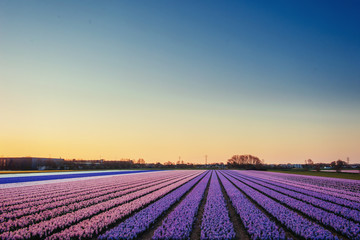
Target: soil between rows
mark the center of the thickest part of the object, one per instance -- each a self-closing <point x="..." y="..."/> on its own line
<point x="239" y="227"/>
<point x="196" y="231"/>
<point x="115" y="224"/>
<point x="288" y="232"/>
<point x="147" y="235"/>
<point x="263" y="182"/>
<point x="333" y="231"/>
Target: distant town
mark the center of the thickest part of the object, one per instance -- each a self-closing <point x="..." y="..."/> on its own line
<point x="248" y="162"/>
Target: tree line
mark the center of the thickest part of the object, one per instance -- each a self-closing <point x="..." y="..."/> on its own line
<point x="245" y="162"/>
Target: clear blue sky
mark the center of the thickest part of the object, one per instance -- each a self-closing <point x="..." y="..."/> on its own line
<point x="162" y="79"/>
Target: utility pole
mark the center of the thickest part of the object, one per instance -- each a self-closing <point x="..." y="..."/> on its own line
<point x="205" y="160"/>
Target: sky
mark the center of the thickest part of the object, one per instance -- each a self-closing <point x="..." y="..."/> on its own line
<point x="163" y="79"/>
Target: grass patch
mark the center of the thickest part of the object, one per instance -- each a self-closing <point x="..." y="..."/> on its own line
<point x="354" y="176"/>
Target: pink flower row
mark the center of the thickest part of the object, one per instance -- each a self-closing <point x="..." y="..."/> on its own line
<point x="80" y="210"/>
<point x="14" y="196"/>
<point x="25" y="208"/>
<point x="95" y="225"/>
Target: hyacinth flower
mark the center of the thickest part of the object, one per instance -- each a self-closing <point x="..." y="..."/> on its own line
<point x="104" y="213"/>
<point x="345" y="227"/>
<point x="345" y="212"/>
<point x="179" y="222"/>
<point x="256" y="223"/>
<point x="141" y="221"/>
<point x="296" y="223"/>
<point x="216" y="223"/>
<point x="340" y="196"/>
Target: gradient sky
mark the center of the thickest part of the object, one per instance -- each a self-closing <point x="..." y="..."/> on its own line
<point x="163" y="79"/>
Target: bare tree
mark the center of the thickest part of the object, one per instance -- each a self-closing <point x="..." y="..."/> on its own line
<point x="244" y="161"/>
<point x="309" y="162"/>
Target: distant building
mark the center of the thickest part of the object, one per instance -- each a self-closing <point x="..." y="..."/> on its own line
<point x="297" y="165"/>
<point x="30" y="163"/>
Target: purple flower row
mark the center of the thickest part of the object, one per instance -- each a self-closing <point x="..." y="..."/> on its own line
<point x="331" y="191"/>
<point x="93" y="226"/>
<point x="257" y="224"/>
<point x="347" y="186"/>
<point x="63" y="191"/>
<point x="292" y="220"/>
<point x="45" y="228"/>
<point x="328" y="194"/>
<point x="329" y="206"/>
<point x="48" y="186"/>
<point x="216" y="223"/>
<point x="342" y="225"/>
<point x="85" y="198"/>
<point x="68" y="206"/>
<point x="14" y="196"/>
<point x="178" y="224"/>
<point x="141" y="221"/>
<point x="343" y="197"/>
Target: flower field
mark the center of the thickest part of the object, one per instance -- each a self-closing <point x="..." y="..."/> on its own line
<point x="184" y="204"/>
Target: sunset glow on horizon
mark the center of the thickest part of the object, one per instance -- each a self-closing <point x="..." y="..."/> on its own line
<point x="159" y="80"/>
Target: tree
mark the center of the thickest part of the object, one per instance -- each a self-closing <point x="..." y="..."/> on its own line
<point x="309" y="162"/>
<point x="338" y="165"/>
<point x="244" y="161"/>
<point x="168" y="163"/>
<point x="141" y="161"/>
